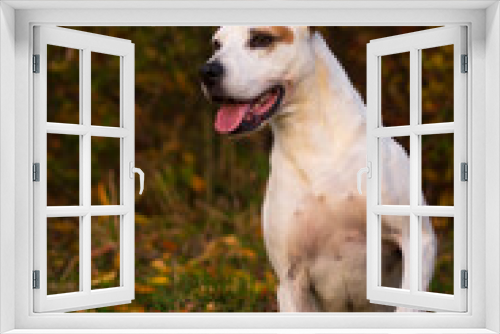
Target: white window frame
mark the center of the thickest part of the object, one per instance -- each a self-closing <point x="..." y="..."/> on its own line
<point x="412" y="294"/>
<point x="85" y="43"/>
<point x="16" y="21"/>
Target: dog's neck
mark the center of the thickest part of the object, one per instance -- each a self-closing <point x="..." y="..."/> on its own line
<point x="322" y="116"/>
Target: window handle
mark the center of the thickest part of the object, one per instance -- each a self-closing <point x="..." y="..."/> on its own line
<point x="368" y="171"/>
<point x="133" y="170"/>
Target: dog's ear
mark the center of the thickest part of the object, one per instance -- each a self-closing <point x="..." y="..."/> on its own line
<point x="307" y="31"/>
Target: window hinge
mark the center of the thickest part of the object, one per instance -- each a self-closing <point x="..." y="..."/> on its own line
<point x="464" y="172"/>
<point x="36" y="63"/>
<point x="36" y="172"/>
<point x="465" y="279"/>
<point x="465" y="63"/>
<point x="36" y="279"/>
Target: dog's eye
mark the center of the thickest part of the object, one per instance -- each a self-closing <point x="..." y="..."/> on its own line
<point x="261" y="41"/>
<point x="216" y="44"/>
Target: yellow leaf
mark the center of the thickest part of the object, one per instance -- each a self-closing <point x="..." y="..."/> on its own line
<point x="160" y="266"/>
<point x="107" y="277"/>
<point x="231" y="240"/>
<point x="159" y="280"/>
<point x="140" y="288"/>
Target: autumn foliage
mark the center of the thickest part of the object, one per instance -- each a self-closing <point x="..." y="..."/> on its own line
<point x="199" y="243"/>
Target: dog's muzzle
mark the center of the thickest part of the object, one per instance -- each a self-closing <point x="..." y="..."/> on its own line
<point x="236" y="116"/>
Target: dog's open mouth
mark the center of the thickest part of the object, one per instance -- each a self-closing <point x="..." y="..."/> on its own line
<point x="236" y="117"/>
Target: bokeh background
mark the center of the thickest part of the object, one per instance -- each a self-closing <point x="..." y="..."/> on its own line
<point x="199" y="244"/>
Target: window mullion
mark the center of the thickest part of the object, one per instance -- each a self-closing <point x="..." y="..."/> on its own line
<point x="82" y="220"/>
<point x="85" y="166"/>
<point x="122" y="177"/>
<point x="420" y="197"/>
<point x="414" y="171"/>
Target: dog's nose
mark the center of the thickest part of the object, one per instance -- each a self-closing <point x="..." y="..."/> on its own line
<point x="211" y="72"/>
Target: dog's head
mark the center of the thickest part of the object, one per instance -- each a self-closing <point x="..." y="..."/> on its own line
<point x="251" y="71"/>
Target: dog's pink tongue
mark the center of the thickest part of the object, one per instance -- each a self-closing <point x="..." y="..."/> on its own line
<point x="230" y="116"/>
<point x="268" y="103"/>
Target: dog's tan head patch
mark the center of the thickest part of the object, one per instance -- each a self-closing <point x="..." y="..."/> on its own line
<point x="284" y="34"/>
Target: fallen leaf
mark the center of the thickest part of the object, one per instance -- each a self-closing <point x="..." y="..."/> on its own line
<point x="107" y="277"/>
<point x="198" y="183"/>
<point x="160" y="266"/>
<point x="141" y="288"/>
<point x="231" y="240"/>
<point x="159" y="280"/>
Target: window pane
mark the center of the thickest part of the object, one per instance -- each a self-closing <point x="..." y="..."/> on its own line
<point x="394" y="170"/>
<point x="442" y="279"/>
<point x="63" y="260"/>
<point x="63" y="84"/>
<point x="393" y="229"/>
<point x="105" y="238"/>
<point x="437" y="169"/>
<point x="395" y="92"/>
<point x="105" y="89"/>
<point x="63" y="168"/>
<point x="437" y="84"/>
<point x="105" y="171"/>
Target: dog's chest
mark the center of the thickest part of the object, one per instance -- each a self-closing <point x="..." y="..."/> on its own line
<point x="299" y="215"/>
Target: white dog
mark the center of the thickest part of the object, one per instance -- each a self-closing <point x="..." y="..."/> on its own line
<point x="314" y="221"/>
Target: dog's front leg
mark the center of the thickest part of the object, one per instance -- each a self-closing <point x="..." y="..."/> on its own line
<point x="428" y="249"/>
<point x="405" y="249"/>
<point x="296" y="293"/>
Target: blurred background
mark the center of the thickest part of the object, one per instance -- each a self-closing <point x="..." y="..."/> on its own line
<point x="199" y="245"/>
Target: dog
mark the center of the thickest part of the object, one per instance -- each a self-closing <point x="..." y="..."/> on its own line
<point x="314" y="222"/>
